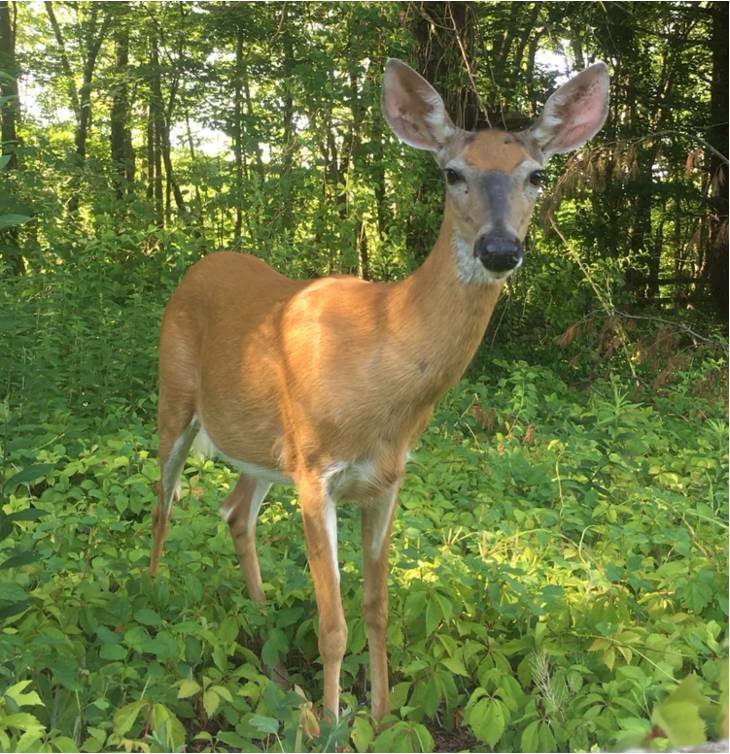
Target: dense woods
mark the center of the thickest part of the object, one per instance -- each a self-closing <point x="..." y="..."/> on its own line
<point x="117" y="98"/>
<point x="560" y="557"/>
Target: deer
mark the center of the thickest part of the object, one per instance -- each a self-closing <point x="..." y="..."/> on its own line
<point x="328" y="383"/>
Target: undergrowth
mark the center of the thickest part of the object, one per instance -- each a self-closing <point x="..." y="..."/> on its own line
<point x="559" y="561"/>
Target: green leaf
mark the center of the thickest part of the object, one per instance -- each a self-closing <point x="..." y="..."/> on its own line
<point x="445" y="605"/>
<point x="231" y="739"/>
<point x="546" y="739"/>
<point x="29" y="474"/>
<point x="488" y="719"/>
<point x="223" y="692"/>
<point x="30" y="741"/>
<point x="193" y="588"/>
<point x="416" y="602"/>
<point x="28" y="514"/>
<point x="113" y="652"/>
<point x="193" y="649"/>
<point x="10" y="219"/>
<point x="689" y="691"/>
<point x="16" y="561"/>
<point x="529" y="741"/>
<point x="64" y="744"/>
<point x="362" y="733"/>
<point x="167" y="727"/>
<point x="434" y="615"/>
<point x="423" y="737"/>
<point x="9" y="609"/>
<point x="188" y="687"/>
<point x="431" y="697"/>
<point x="404" y="737"/>
<point x="91" y="746"/>
<point x="107" y="636"/>
<point x="681" y="722"/>
<point x="399" y="694"/>
<point x="455" y="666"/>
<point x="125" y="717"/>
<point x="211" y="702"/>
<point x="220" y="658"/>
<point x="265" y="725"/>
<point x="276" y="645"/>
<point x="23" y="721"/>
<point x="228" y="630"/>
<point x="23" y="698"/>
<point x="697" y="595"/>
<point x="524" y="670"/>
<point x="147" y="617"/>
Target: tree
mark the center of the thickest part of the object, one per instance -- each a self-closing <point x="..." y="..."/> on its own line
<point x="9" y="99"/>
<point x="717" y="138"/>
<point x="9" y="142"/>
<point x="122" y="150"/>
<point x="91" y="32"/>
<point x="306" y="178"/>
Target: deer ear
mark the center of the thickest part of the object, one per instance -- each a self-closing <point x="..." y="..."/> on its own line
<point x="573" y="114"/>
<point x="413" y="109"/>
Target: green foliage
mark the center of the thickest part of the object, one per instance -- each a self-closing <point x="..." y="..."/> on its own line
<point x="263" y="127"/>
<point x="559" y="560"/>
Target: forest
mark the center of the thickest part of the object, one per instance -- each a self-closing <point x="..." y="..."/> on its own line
<point x="559" y="557"/>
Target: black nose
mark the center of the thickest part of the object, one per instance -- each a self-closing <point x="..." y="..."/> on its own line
<point x="498" y="254"/>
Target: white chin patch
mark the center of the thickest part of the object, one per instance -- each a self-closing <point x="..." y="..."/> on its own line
<point x="471" y="270"/>
<point x="492" y="275"/>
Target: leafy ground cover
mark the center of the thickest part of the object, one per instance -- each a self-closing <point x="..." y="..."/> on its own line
<point x="559" y="560"/>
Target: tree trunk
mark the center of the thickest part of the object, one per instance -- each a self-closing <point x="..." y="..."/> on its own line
<point x="717" y="136"/>
<point x="122" y="151"/>
<point x="172" y="185"/>
<point x="81" y="99"/>
<point x="65" y="65"/>
<point x="10" y="110"/>
<point x="444" y="34"/>
<point x="154" y="135"/>
<point x="353" y="154"/>
<point x="639" y="276"/>
<point x="238" y="136"/>
<point x="285" y="178"/>
<point x="172" y="188"/>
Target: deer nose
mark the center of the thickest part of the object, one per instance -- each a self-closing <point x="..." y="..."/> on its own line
<point x="498" y="253"/>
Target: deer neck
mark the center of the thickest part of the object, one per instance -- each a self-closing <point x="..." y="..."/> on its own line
<point x="444" y="313"/>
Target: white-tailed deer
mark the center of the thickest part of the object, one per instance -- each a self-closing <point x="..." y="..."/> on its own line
<point x="327" y="384"/>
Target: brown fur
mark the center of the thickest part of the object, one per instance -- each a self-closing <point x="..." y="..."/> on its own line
<point x="329" y="383"/>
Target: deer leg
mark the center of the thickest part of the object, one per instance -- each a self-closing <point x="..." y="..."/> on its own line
<point x="377" y="520"/>
<point x="319" y="513"/>
<point x="240" y="510"/>
<point x="175" y="441"/>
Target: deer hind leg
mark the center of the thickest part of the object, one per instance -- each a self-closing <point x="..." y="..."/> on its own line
<point x="240" y="510"/>
<point x="377" y="520"/>
<point x="319" y="514"/>
<point x="176" y="437"/>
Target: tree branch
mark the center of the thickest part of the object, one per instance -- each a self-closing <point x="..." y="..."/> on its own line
<point x="72" y="92"/>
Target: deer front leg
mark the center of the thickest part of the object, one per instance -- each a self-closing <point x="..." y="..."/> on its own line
<point x="377" y="521"/>
<point x="319" y="514"/>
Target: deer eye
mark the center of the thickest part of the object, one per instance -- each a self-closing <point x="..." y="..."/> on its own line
<point x="536" y="177"/>
<point x="452" y="176"/>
